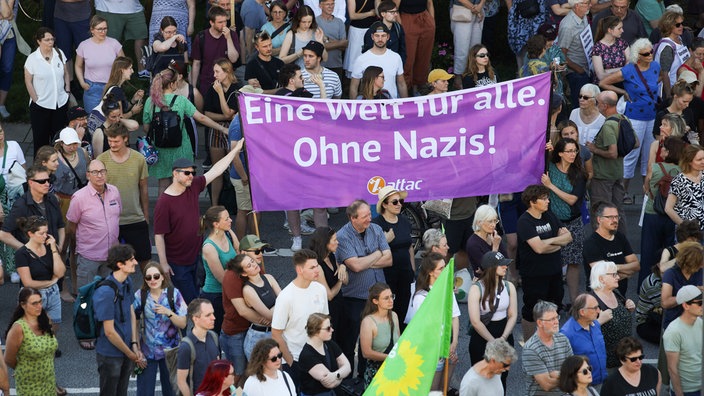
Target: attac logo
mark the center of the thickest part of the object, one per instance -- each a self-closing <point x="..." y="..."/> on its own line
<point x="376" y="183"/>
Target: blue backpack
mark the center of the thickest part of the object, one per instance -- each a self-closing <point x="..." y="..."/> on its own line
<point x="85" y="326"/>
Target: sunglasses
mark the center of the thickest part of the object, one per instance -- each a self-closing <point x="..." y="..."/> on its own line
<point x="150" y="277"/>
<point x="273" y="359"/>
<point x="186" y="172"/>
<point x="587" y="370"/>
<point x="646" y="53"/>
<point x="697" y="302"/>
<point x="678" y="24"/>
<point x="40" y="181"/>
<point x="256" y="251"/>
<point x="483" y="55"/>
<point x="585" y="97"/>
<point x="506" y="365"/>
<point x="397" y="202"/>
<point x="634" y="358"/>
<point x="329" y="328"/>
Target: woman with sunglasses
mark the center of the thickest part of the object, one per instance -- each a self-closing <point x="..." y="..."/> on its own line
<point x="218" y="378"/>
<point x="492" y="307"/>
<point x="682" y="97"/>
<point x="640" y="79"/>
<point x="430" y="269"/>
<point x="633" y="377"/>
<point x="379" y="329"/>
<point x="587" y="116"/>
<point x="397" y="230"/>
<point x="616" y="317"/>
<point x="322" y="364"/>
<point x="31" y="345"/>
<point x="259" y="292"/>
<point x="567" y="182"/>
<point x="671" y="27"/>
<point x="575" y="377"/>
<point x="162" y="310"/>
<point x="479" y="71"/>
<point x="264" y="374"/>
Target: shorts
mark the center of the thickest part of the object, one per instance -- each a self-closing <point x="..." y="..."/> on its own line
<point x="218" y="139"/>
<point x="87" y="270"/>
<point x="131" y="26"/>
<point x="51" y="302"/>
<point x="137" y="235"/>
<point x="244" y="197"/>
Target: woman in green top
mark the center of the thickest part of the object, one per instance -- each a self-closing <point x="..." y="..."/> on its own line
<point x="30" y="347"/>
<point x="379" y="329"/>
<point x="219" y="247"/>
<point x="161" y="95"/>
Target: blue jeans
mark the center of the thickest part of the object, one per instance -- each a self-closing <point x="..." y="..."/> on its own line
<point x="695" y="393"/>
<point x="93" y="96"/>
<point x="252" y="337"/>
<point x="233" y="346"/>
<point x="146" y="382"/>
<point x="576" y="82"/>
<point x="658" y="232"/>
<point x="184" y="279"/>
<point x="51" y="302"/>
<point x="9" y="49"/>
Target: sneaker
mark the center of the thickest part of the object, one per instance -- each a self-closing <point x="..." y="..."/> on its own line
<point x="306" y="229"/>
<point x="297" y="244"/>
<point x="144" y="74"/>
<point x="269" y="251"/>
<point x="286" y="227"/>
<point x="15" y="277"/>
<point x="4" y="113"/>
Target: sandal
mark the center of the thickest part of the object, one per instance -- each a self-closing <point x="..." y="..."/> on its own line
<point x="88" y="345"/>
<point x="628" y="200"/>
<point x="61" y="391"/>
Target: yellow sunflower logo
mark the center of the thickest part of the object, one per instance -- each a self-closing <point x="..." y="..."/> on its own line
<point x="401" y="373"/>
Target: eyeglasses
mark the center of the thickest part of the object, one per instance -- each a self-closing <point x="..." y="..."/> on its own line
<point x="492" y="221"/>
<point x="256" y="251"/>
<point x="186" y="172"/>
<point x="392" y="11"/>
<point x="101" y="172"/>
<point x="697" y="302"/>
<point x="587" y="370"/>
<point x="613" y="217"/>
<point x="619" y="7"/>
<point x="40" y="181"/>
<point x="556" y="318"/>
<point x="103" y="29"/>
<point x="506" y="365"/>
<point x="483" y="55"/>
<point x="571" y="151"/>
<point x="646" y="53"/>
<point x="279" y="12"/>
<point x="614" y="274"/>
<point x="273" y="359"/>
<point x="634" y="358"/>
<point x="585" y="97"/>
<point x="150" y="277"/>
<point x="329" y="328"/>
<point x="596" y="308"/>
<point x="391" y="297"/>
<point x="397" y="202"/>
<point x="679" y="24"/>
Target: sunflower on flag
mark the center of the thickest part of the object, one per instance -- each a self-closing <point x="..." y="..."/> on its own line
<point x="410" y="366"/>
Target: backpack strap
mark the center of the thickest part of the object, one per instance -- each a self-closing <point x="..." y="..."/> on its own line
<point x="170" y="298"/>
<point x="214" y="336"/>
<point x="191" y="348"/>
<point x="117" y="297"/>
<point x="283" y="374"/>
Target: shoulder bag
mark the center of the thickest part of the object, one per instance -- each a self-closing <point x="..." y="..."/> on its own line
<point x="165" y="128"/>
<point x="2" y="177"/>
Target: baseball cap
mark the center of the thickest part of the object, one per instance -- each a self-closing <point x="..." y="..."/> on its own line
<point x="68" y="136"/>
<point x="494" y="259"/>
<point x="250" y="242"/>
<point x="688" y="293"/>
<point x="76" y="112"/>
<point x="183" y="163"/>
<point x="316" y="47"/>
<point x="378" y="26"/>
<point x="439" y="74"/>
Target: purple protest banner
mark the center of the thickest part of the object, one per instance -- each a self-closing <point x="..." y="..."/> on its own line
<point x="306" y="153"/>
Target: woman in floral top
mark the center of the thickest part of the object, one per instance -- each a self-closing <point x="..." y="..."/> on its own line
<point x="610" y="51"/>
<point x="162" y="317"/>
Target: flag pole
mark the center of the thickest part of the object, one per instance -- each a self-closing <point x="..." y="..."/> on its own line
<point x="445" y="375"/>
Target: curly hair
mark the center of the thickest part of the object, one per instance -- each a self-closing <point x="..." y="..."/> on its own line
<point x="258" y="358"/>
<point x="690" y="257"/>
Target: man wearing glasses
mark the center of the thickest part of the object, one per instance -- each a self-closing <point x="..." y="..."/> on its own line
<point x="682" y="341"/>
<point x="584" y="332"/>
<point x="545" y="351"/>
<point x="608" y="243"/>
<point x="633" y="27"/>
<point x="94" y="217"/>
<point x="35" y="202"/>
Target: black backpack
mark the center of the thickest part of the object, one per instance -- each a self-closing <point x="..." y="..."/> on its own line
<point x="627" y="139"/>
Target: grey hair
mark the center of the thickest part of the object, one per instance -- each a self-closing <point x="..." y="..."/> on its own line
<point x="541" y="307"/>
<point x="432" y="237"/>
<point x="600" y="268"/>
<point x="482" y="214"/>
<point x="637" y="47"/>
<point x="574" y="2"/>
<point x="592" y="89"/>
<point x="499" y="350"/>
<point x="674" y="8"/>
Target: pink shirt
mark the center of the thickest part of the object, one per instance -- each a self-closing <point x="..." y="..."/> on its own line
<point x="98" y="58"/>
<point x="97" y="220"/>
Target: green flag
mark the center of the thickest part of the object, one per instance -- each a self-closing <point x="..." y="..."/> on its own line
<point x="410" y="366"/>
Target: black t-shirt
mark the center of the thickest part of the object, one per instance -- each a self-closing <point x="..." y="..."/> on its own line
<point x="400" y="255"/>
<point x="530" y="263"/>
<point x="266" y="72"/>
<point x="212" y="100"/>
<point x="310" y="358"/>
<point x="41" y="268"/>
<point x="616" y="385"/>
<point x="482" y="80"/>
<point x="597" y="248"/>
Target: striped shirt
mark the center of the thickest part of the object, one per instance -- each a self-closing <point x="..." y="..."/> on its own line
<point x="353" y="244"/>
<point x="539" y="359"/>
<point x="649" y="297"/>
<point x="333" y="86"/>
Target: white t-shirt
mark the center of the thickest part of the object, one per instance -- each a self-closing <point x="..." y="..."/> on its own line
<point x="48" y="78"/>
<point x="293" y="307"/>
<point x="270" y="387"/>
<point x="587" y="132"/>
<point x="14" y="153"/>
<point x="418" y="299"/>
<point x="389" y="61"/>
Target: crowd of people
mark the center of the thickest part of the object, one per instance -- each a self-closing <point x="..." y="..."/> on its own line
<point x="81" y="209"/>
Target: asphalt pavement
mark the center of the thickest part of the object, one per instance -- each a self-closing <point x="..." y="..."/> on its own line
<point x="76" y="370"/>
